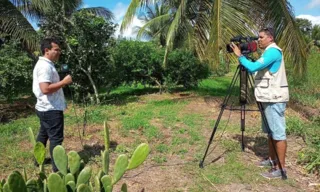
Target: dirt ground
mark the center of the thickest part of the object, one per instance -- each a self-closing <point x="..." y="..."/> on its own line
<point x="173" y="174"/>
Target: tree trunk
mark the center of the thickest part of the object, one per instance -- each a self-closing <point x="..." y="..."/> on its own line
<point x="93" y="85"/>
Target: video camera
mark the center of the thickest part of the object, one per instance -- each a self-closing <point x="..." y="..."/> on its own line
<point x="246" y="44"/>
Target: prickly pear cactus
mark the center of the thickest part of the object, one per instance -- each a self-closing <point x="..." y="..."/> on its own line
<point x="31" y="136"/>
<point x="106" y="136"/>
<point x="39" y="152"/>
<point x="16" y="182"/>
<point x="32" y="185"/>
<point x="74" y="162"/>
<point x="69" y="177"/>
<point x="61" y="159"/>
<point x="84" y="176"/>
<point x="107" y="183"/>
<point x="105" y="162"/>
<point x="83" y="188"/>
<point x="139" y="156"/>
<point x="71" y="186"/>
<point x="124" y="188"/>
<point x="55" y="183"/>
<point x="120" y="167"/>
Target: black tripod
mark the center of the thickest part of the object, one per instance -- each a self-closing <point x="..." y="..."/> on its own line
<point x="244" y="79"/>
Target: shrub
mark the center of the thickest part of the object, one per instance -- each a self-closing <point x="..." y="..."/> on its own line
<point x="183" y="68"/>
<point x="15" y="71"/>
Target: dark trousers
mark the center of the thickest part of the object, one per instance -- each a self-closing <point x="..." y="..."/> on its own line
<point x="51" y="127"/>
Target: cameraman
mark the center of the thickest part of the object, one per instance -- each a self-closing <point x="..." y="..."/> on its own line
<point x="271" y="89"/>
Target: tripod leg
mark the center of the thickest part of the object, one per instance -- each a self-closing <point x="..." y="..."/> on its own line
<point x="225" y="101"/>
<point x="264" y="119"/>
<point x="243" y="122"/>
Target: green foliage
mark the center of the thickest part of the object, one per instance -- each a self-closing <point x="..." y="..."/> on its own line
<point x="294" y="126"/>
<point x="15" y="71"/>
<point x="89" y="42"/>
<point x="185" y="69"/>
<point x="306" y="90"/>
<point x="142" y="63"/>
<point x="305" y="26"/>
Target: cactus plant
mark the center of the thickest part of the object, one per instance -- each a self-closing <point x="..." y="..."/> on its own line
<point x="124" y="188"/>
<point x="55" y="183"/>
<point x="71" y="186"/>
<point x="120" y="167"/>
<point x="106" y="136"/>
<point x="32" y="185"/>
<point x="83" y="188"/>
<point x="60" y="159"/>
<point x="39" y="152"/>
<point x="107" y="183"/>
<point x="84" y="176"/>
<point x="69" y="177"/>
<point x="16" y="182"/>
<point x="77" y="177"/>
<point x="139" y="156"/>
<point x="105" y="162"/>
<point x="74" y="162"/>
<point x="31" y="136"/>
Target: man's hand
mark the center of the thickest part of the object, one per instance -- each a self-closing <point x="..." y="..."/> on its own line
<point x="236" y="49"/>
<point x="67" y="80"/>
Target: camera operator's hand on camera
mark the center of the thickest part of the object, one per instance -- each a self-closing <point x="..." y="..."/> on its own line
<point x="67" y="80"/>
<point x="236" y="49"/>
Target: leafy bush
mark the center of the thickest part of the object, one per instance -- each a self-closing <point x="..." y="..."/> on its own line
<point x="141" y="62"/>
<point x="15" y="71"/>
<point x="89" y="43"/>
<point x="138" y="62"/>
<point x="183" y="68"/>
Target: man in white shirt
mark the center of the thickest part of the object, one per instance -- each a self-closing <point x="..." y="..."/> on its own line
<point x="47" y="87"/>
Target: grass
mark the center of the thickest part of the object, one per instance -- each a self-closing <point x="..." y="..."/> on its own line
<point x="307" y="90"/>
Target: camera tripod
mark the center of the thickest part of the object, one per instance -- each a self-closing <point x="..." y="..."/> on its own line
<point x="244" y="79"/>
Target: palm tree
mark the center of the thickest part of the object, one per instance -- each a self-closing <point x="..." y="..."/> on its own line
<point x="181" y="23"/>
<point x="211" y="23"/>
<point x="14" y="15"/>
<point x="156" y="22"/>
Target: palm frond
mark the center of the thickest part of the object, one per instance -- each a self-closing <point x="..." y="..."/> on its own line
<point x="100" y="11"/>
<point x="173" y="29"/>
<point x="280" y="16"/>
<point x="13" y="22"/>
<point x="155" y="23"/>
<point x="132" y="10"/>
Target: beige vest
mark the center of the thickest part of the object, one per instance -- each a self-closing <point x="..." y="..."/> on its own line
<point x="272" y="87"/>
